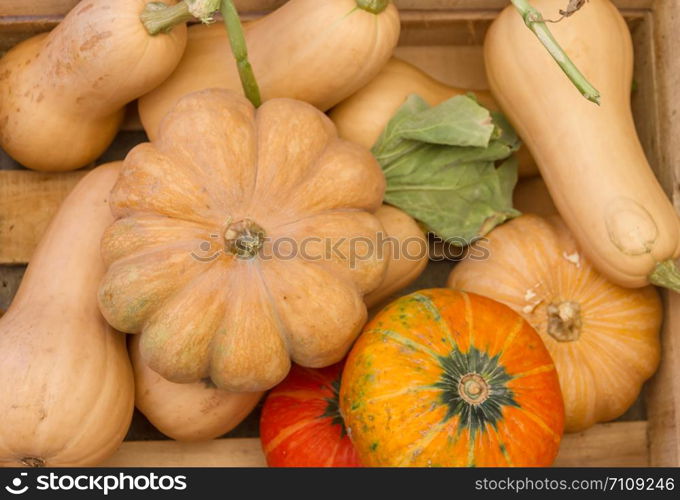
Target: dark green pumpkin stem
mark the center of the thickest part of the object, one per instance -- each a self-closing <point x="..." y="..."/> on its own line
<point x="240" y="51"/>
<point x="158" y="17"/>
<point x="666" y="275"/>
<point x="373" y="6"/>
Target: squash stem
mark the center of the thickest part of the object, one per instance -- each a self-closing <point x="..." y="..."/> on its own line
<point x="373" y="6"/>
<point x="240" y="51"/>
<point x="535" y="22"/>
<point x="159" y="17"/>
<point x="666" y="275"/>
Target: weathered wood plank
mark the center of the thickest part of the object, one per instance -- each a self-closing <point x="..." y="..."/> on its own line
<point x="217" y="453"/>
<point x="664" y="395"/>
<point x="663" y="400"/>
<point x="60" y="7"/>
<point x="453" y="26"/>
<point x="617" y="444"/>
<point x="28" y="200"/>
<point x="621" y="444"/>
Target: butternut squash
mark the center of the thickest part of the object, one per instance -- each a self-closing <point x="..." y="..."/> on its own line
<point x="406" y="252"/>
<point x="318" y="52"/>
<point x="66" y="385"/>
<point x="362" y="117"/>
<point x="187" y="412"/>
<point x="604" y="339"/>
<point x="590" y="157"/>
<point x="63" y="93"/>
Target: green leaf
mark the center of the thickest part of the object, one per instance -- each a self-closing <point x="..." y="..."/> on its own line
<point x="440" y="165"/>
<point x="456" y="122"/>
<point x="458" y="204"/>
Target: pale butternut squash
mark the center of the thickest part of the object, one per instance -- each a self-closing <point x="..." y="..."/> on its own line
<point x="589" y="156"/>
<point x="187" y="412"/>
<point x="406" y="252"/>
<point x="604" y="339"/>
<point x="66" y="385"/>
<point x="63" y="93"/>
<point x="318" y="52"/>
<point x="362" y="117"/>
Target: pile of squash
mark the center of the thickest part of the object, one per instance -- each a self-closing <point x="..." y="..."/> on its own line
<point x="554" y="329"/>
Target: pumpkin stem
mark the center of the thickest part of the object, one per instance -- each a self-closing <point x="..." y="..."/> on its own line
<point x="666" y="275"/>
<point x="33" y="462"/>
<point x="240" y="51"/>
<point x="373" y="6"/>
<point x="244" y="239"/>
<point x="564" y="321"/>
<point x="473" y="388"/>
<point x="158" y="17"/>
<point x="535" y="22"/>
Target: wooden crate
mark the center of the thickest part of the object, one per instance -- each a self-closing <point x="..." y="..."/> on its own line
<point x="438" y="36"/>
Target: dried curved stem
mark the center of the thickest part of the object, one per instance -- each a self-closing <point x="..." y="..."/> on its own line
<point x="535" y="22"/>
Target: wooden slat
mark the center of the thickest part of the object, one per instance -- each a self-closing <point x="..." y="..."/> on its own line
<point x="645" y="97"/>
<point x="663" y="401"/>
<point x="618" y="444"/>
<point x="28" y="200"/>
<point x="622" y="444"/>
<point x="664" y="394"/>
<point x="421" y="27"/>
<point x="61" y="7"/>
<point x="56" y="7"/>
<point x="218" y="453"/>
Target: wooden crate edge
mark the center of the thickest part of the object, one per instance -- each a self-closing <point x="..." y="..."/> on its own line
<point x="617" y="444"/>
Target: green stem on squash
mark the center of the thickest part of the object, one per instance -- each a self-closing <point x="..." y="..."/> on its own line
<point x="666" y="275"/>
<point x="240" y="51"/>
<point x="373" y="6"/>
<point x="535" y="22"/>
<point x="159" y="17"/>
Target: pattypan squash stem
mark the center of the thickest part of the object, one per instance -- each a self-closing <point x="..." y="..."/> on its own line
<point x="373" y="6"/>
<point x="240" y="51"/>
<point x="534" y="20"/>
<point x="158" y="17"/>
<point x="666" y="275"/>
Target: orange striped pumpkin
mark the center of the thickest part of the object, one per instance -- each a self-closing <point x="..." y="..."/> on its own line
<point x="446" y="378"/>
<point x="603" y="338"/>
<point x="301" y="424"/>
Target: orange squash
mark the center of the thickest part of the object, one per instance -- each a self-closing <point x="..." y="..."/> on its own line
<point x="446" y="378"/>
<point x="63" y="93"/>
<point x="363" y="116"/>
<point x="318" y="52"/>
<point x="301" y="424"/>
<point x="194" y="261"/>
<point x="187" y="412"/>
<point x="199" y="411"/>
<point x="66" y="386"/>
<point x="405" y="250"/>
<point x="604" y="338"/>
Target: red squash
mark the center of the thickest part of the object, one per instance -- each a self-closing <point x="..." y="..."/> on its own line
<point x="301" y="424"/>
